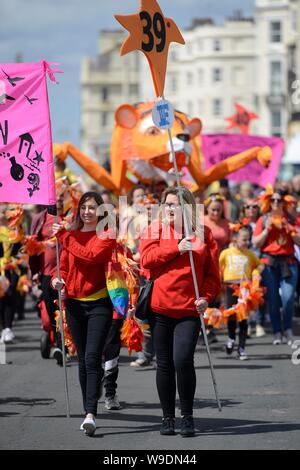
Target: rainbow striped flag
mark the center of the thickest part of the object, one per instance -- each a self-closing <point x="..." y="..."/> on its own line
<point x="117" y="287"/>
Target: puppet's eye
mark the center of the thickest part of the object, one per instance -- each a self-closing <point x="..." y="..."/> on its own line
<point x="153" y="131"/>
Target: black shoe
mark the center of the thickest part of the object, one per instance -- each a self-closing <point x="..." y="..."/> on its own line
<point x="187" y="426"/>
<point x="167" y="427"/>
<point x="58" y="356"/>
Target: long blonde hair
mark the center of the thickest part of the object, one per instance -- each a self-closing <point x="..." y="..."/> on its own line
<point x="194" y="225"/>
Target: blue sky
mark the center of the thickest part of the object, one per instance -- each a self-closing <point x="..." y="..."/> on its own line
<point x="65" y="31"/>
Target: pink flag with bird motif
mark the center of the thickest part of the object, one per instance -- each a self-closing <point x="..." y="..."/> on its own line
<point x="26" y="160"/>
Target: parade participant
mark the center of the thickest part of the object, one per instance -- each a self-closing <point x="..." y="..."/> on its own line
<point x="276" y="236"/>
<point x="88" y="306"/>
<point x="133" y="220"/>
<point x="175" y="322"/>
<point x="238" y="264"/>
<point x="11" y="267"/>
<point x="231" y="205"/>
<point x="42" y="267"/>
<point x="219" y="226"/>
<point x="249" y="216"/>
<point x="215" y="220"/>
<point x="136" y="220"/>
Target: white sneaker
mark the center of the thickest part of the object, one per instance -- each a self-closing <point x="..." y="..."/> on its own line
<point x="8" y="336"/>
<point x="243" y="356"/>
<point x="89" y="426"/>
<point x="112" y="403"/>
<point x="289" y="337"/>
<point x="259" y="331"/>
<point x="140" y="363"/>
<point x="229" y="346"/>
<point x="277" y="339"/>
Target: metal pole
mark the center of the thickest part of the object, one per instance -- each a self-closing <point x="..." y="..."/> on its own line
<point x="61" y="325"/>
<point x="187" y="234"/>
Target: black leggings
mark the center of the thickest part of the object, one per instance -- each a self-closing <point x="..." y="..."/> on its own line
<point x="89" y="323"/>
<point x="8" y="302"/>
<point x="174" y="344"/>
<point x="232" y="321"/>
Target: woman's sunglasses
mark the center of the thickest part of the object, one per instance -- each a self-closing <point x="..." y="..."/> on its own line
<point x="254" y="206"/>
<point x="276" y="199"/>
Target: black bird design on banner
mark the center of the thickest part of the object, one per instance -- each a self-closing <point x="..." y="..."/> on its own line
<point x="12" y="80"/>
<point x="30" y="100"/>
<point x="4" y="97"/>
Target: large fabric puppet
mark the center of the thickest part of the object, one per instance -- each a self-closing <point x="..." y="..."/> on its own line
<point x="141" y="149"/>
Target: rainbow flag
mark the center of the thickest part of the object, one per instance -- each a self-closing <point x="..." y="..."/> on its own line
<point x="117" y="287"/>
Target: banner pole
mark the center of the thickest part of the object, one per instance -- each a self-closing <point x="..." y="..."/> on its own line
<point x="188" y="234"/>
<point x="61" y="325"/>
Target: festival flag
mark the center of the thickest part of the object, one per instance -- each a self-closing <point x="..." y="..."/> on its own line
<point x="218" y="147"/>
<point x="26" y="160"/>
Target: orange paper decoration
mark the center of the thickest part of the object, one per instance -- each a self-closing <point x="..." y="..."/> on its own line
<point x="151" y="33"/>
<point x="241" y="119"/>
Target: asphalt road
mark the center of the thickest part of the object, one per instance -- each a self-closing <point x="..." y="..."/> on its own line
<point x="260" y="398"/>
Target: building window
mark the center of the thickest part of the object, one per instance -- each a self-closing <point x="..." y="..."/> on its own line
<point x="276" y="78"/>
<point x="217" y="75"/>
<point x="190" y="108"/>
<point x="217" y="45"/>
<point x="275" y="31"/>
<point x="276" y="123"/>
<point x="217" y="107"/>
<point x="189" y="78"/>
<point x="173" y="83"/>
<point x="104" y="92"/>
<point x="200" y="76"/>
<point x="104" y="118"/>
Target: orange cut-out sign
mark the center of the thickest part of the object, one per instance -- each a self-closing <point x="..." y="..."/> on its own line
<point x="151" y="33"/>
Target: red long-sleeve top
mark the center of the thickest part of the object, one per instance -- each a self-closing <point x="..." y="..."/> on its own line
<point x="82" y="261"/>
<point x="173" y="291"/>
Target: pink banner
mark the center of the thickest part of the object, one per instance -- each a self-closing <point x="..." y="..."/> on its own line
<point x="217" y="147"/>
<point x="26" y="161"/>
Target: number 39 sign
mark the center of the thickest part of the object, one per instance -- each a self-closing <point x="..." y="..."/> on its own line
<point x="151" y="33"/>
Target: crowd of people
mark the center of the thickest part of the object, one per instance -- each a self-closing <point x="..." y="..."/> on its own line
<point x="248" y="240"/>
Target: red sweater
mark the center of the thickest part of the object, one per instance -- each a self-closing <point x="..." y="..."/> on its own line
<point x="173" y="292"/>
<point x="82" y="262"/>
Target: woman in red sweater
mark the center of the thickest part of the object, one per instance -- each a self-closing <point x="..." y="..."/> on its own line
<point x="174" y="317"/>
<point x="88" y="307"/>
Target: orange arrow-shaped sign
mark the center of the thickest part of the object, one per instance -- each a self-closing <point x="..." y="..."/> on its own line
<point x="151" y="33"/>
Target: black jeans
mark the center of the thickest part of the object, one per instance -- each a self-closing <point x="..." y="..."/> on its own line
<point x="232" y="321"/>
<point x="111" y="358"/>
<point x="174" y="344"/>
<point x="89" y="323"/>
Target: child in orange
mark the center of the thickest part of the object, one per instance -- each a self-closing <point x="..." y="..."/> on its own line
<point x="237" y="264"/>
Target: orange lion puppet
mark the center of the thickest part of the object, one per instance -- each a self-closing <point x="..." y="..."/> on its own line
<point x="141" y="151"/>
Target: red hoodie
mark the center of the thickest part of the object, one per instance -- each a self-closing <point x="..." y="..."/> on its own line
<point x="82" y="262"/>
<point x="173" y="291"/>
